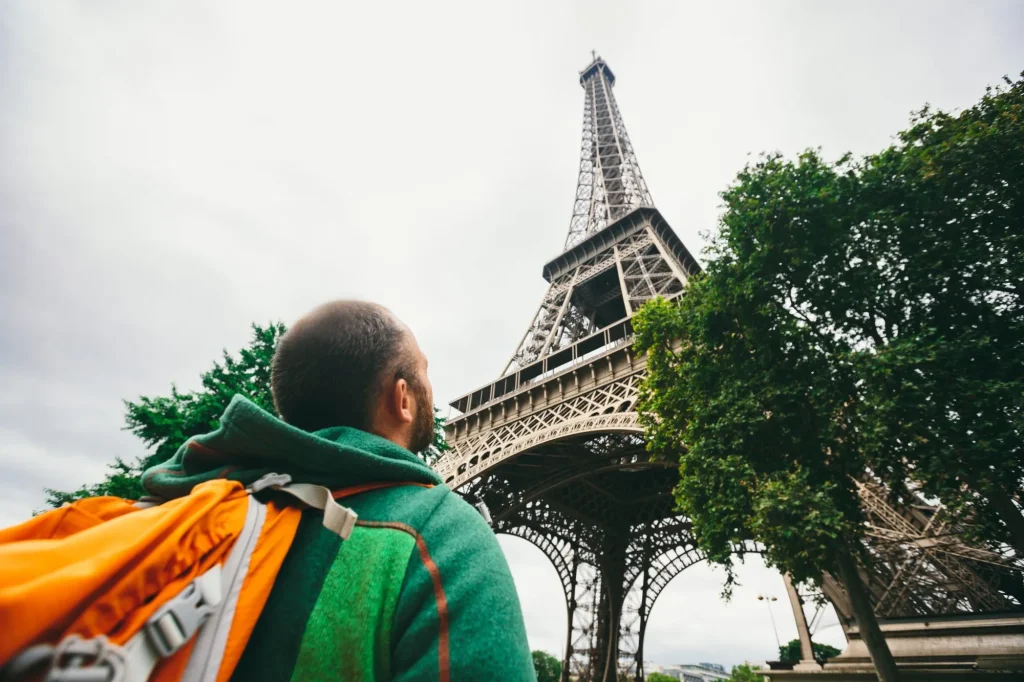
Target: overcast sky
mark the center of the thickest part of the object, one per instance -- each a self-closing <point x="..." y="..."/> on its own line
<point x="171" y="172"/>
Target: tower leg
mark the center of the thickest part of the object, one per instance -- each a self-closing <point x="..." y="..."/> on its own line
<point x="605" y="664"/>
<point x="645" y="609"/>
<point x="583" y="620"/>
<point x="571" y="605"/>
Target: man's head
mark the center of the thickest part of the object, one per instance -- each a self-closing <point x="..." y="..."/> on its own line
<point x="351" y="363"/>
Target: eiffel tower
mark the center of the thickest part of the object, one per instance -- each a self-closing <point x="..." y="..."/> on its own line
<point x="553" y="451"/>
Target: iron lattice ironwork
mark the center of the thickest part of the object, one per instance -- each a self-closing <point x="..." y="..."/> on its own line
<point x="610" y="184"/>
<point x="553" y="447"/>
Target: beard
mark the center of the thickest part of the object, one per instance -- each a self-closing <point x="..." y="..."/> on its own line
<point x="422" y="435"/>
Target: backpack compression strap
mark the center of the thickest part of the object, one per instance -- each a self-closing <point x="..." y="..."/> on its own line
<point x="76" y="659"/>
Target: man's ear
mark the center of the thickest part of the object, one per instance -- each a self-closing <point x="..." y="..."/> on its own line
<point x="401" y="401"/>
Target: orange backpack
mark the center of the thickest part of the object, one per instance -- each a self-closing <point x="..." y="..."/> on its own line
<point x="104" y="590"/>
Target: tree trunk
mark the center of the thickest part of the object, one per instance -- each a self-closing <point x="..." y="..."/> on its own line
<point x="878" y="648"/>
<point x="1009" y="514"/>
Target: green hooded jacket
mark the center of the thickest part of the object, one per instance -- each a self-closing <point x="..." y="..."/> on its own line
<point x="419" y="591"/>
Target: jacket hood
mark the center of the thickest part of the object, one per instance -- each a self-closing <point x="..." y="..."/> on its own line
<point x="250" y="442"/>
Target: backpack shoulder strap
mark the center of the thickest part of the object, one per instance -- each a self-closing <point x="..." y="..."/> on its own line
<point x="367" y="487"/>
<point x="337" y="519"/>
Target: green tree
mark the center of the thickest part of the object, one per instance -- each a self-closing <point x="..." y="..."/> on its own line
<point x="164" y="423"/>
<point x="547" y="667"/>
<point x="790" y="651"/>
<point x="745" y="673"/>
<point x="854" y="317"/>
<point x="757" y="419"/>
<point x="940" y="329"/>
<point x="659" y="677"/>
<point x="440" y="445"/>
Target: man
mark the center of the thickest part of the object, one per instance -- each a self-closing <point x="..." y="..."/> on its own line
<point x="420" y="590"/>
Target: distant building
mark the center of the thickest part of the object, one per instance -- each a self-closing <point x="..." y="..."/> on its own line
<point x="690" y="672"/>
<point x="698" y="672"/>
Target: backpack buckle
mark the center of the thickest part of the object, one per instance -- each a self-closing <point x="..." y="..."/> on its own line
<point x="73" y="659"/>
<point x="174" y="623"/>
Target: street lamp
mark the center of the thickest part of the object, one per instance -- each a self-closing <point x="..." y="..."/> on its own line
<point x="768" y="599"/>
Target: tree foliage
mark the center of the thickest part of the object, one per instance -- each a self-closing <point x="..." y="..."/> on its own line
<point x="942" y="346"/>
<point x="547" y="667"/>
<point x="855" y="316"/>
<point x="659" y="677"/>
<point x="440" y="445"/>
<point x="756" y="460"/>
<point x="790" y="651"/>
<point x="164" y="423"/>
<point x="745" y="673"/>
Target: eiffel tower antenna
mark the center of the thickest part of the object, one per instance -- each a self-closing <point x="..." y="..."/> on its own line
<point x="554" y="450"/>
<point x="610" y="184"/>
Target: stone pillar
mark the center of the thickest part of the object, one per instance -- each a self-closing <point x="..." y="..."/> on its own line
<point x="807" y="661"/>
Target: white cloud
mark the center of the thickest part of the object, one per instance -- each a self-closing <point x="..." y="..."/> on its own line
<point x="170" y="173"/>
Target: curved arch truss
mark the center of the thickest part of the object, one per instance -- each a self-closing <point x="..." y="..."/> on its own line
<point x="587" y="502"/>
<point x="604" y="408"/>
<point x="661" y="552"/>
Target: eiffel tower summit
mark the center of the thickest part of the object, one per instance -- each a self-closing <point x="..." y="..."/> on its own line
<point x="553" y="451"/>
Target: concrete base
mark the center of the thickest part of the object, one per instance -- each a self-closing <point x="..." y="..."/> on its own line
<point x="989" y="647"/>
<point x="906" y="675"/>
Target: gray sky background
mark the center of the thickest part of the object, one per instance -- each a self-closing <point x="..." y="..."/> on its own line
<point x="171" y="172"/>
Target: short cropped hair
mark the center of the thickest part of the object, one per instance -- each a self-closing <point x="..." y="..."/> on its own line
<point x="329" y="369"/>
